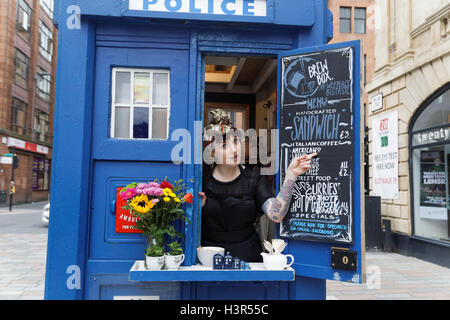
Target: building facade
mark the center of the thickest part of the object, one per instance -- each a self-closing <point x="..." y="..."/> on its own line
<point x="28" y="45"/>
<point x="409" y="113"/>
<point x="354" y="20"/>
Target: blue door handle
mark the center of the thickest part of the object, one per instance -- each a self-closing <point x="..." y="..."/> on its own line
<point x="113" y="207"/>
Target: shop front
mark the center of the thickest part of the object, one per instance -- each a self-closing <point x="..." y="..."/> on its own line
<point x="135" y="76"/>
<point x="429" y="171"/>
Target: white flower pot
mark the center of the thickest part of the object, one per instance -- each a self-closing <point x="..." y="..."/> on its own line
<point x="173" y="262"/>
<point x="154" y="263"/>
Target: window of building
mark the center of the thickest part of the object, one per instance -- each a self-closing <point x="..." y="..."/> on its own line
<point x="41" y="174"/>
<point x="44" y="84"/>
<point x="45" y="41"/>
<point x="18" y="116"/>
<point x="21" y="66"/>
<point x="141" y="104"/>
<point x="360" y="20"/>
<point x="47" y="5"/>
<point x="23" y="21"/>
<point x="41" y="121"/>
<point x="430" y="152"/>
<point x="345" y="21"/>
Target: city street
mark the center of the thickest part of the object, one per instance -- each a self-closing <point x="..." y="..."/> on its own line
<point x="23" y="244"/>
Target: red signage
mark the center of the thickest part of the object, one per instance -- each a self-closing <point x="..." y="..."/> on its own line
<point x="124" y="219"/>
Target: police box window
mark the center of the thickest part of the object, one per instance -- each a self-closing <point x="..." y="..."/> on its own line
<point x="140" y="104"/>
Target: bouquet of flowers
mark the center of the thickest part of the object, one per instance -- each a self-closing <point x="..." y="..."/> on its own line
<point x="156" y="205"/>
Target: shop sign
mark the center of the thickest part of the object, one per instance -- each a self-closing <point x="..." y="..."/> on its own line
<point x="28" y="146"/>
<point x="377" y="102"/>
<point x="431" y="136"/>
<point x="385" y="155"/>
<point x="222" y="7"/>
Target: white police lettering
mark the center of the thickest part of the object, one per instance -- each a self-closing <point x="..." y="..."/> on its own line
<point x="222" y="7"/>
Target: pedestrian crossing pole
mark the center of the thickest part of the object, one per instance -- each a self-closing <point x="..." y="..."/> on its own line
<point x="12" y="188"/>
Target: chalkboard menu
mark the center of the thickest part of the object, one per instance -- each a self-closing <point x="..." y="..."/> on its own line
<point x="317" y="116"/>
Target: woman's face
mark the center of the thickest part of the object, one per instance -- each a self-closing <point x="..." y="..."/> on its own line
<point x="227" y="151"/>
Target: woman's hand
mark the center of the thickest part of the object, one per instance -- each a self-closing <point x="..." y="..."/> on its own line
<point x="276" y="208"/>
<point x="300" y="165"/>
<point x="203" y="196"/>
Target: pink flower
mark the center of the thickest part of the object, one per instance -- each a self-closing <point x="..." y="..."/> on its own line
<point x="153" y="191"/>
<point x="128" y="194"/>
<point x="153" y="184"/>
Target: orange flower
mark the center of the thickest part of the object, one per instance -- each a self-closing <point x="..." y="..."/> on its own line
<point x="188" y="197"/>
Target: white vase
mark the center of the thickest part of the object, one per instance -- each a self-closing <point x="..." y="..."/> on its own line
<point x="173" y="262"/>
<point x="154" y="263"/>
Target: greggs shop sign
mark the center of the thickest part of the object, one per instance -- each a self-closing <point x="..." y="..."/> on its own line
<point x="222" y="7"/>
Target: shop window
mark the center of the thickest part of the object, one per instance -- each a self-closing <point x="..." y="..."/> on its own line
<point x="18" y="116"/>
<point x="45" y="41"/>
<point x="21" y="67"/>
<point x="141" y="104"/>
<point x="44" y="84"/>
<point x="360" y="20"/>
<point x="47" y="5"/>
<point x="41" y="174"/>
<point x="430" y="168"/>
<point x="345" y="20"/>
<point x="23" y="21"/>
<point x="41" y="122"/>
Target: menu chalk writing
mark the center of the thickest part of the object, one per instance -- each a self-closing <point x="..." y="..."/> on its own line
<point x="317" y="116"/>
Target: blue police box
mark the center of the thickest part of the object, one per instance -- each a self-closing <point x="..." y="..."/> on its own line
<point x="109" y="131"/>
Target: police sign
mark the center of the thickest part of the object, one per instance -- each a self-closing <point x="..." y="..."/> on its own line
<point x="223" y="7"/>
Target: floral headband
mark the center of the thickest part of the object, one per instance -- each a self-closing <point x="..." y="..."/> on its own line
<point x="221" y="123"/>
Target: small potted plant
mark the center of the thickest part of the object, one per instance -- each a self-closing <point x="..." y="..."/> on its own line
<point x="175" y="256"/>
<point x="154" y="257"/>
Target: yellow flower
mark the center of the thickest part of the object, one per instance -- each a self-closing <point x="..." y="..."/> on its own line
<point x="167" y="191"/>
<point x="166" y="199"/>
<point x="176" y="199"/>
<point x="140" y="204"/>
<point x="152" y="203"/>
<point x="173" y="195"/>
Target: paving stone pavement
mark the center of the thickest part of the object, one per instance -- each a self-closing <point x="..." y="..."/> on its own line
<point x="23" y="247"/>
<point x="390" y="276"/>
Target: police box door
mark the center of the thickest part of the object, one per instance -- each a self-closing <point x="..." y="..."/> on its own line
<point x="141" y="97"/>
<point x="319" y="99"/>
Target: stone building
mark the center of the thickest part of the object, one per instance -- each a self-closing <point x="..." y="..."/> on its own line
<point x="354" y="20"/>
<point x="411" y="85"/>
<point x="28" y="42"/>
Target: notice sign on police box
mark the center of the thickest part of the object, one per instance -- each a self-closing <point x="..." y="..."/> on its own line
<point x="223" y="7"/>
<point x="317" y="116"/>
<point x="125" y="221"/>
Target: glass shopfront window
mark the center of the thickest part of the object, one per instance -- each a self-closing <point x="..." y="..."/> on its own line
<point x="430" y="168"/>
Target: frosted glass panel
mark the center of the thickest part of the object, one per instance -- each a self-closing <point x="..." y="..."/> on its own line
<point x="159" y="125"/>
<point x="160" y="88"/>
<point x="122" y="122"/>
<point x="141" y="87"/>
<point x="123" y="85"/>
<point x="140" y="123"/>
